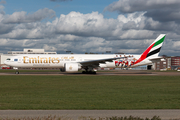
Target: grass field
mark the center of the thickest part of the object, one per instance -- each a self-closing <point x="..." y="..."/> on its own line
<point x="89" y="92"/>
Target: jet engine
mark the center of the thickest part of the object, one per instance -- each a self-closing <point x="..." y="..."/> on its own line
<point x="70" y="67"/>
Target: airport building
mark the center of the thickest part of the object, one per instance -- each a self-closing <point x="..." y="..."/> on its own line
<point x="164" y="64"/>
<point x="169" y="63"/>
<point x="175" y="62"/>
<point x="30" y="51"/>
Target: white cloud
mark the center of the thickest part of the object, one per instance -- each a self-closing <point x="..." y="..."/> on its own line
<point x="80" y="33"/>
<point x="1" y="7"/>
<point x="49" y="48"/>
<point x="22" y="17"/>
<point x="130" y="6"/>
<point x="79" y="24"/>
<point x="158" y="10"/>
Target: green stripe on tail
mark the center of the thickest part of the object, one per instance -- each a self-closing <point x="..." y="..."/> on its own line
<point x="159" y="42"/>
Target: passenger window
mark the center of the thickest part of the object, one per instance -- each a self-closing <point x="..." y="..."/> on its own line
<point x="8" y="59"/>
<point x="15" y="59"/>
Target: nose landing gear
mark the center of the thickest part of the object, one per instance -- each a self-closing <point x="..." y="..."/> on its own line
<point x="15" y="68"/>
<point x="17" y="72"/>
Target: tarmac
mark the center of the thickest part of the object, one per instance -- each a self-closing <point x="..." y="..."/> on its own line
<point x="87" y="114"/>
<point x="120" y="73"/>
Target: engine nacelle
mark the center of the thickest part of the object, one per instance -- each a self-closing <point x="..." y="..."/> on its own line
<point x="71" y="67"/>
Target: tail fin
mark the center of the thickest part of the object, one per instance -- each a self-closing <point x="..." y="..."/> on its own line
<point x="153" y="50"/>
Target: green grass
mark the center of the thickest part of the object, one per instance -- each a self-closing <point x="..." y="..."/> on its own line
<point x="89" y="92"/>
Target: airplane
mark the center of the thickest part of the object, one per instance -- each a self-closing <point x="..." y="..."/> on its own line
<point x="87" y="62"/>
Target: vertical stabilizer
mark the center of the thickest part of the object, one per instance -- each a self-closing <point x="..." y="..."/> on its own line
<point x="153" y="50"/>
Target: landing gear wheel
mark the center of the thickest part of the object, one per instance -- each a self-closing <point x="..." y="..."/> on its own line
<point x="88" y="72"/>
<point x="16" y="72"/>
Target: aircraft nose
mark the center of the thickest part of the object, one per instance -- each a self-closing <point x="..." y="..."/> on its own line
<point x="5" y="62"/>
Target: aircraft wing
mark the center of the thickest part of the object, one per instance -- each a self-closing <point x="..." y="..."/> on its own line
<point x="96" y="62"/>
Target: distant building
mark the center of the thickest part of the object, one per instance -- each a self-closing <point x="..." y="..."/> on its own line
<point x="161" y="65"/>
<point x="175" y="62"/>
<point x="169" y="63"/>
<point x="31" y="51"/>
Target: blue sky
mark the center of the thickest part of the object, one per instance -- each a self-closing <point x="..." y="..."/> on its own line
<point x="126" y="26"/>
<point x="63" y="7"/>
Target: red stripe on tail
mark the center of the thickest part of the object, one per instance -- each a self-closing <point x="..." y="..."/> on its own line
<point x="144" y="55"/>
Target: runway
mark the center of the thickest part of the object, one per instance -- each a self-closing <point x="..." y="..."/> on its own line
<point x="120" y="73"/>
<point x="79" y="114"/>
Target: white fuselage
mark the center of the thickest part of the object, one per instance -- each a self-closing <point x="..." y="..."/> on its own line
<point x="88" y="62"/>
<point x="58" y="61"/>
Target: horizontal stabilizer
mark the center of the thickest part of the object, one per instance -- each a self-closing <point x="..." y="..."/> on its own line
<point x="156" y="59"/>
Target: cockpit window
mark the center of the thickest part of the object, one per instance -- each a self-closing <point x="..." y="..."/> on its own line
<point x="15" y="59"/>
<point x="8" y="59"/>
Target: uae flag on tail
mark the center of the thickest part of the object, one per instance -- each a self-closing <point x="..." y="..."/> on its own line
<point x="153" y="50"/>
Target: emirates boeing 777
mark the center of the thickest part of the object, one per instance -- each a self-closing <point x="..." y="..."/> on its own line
<point x="87" y="62"/>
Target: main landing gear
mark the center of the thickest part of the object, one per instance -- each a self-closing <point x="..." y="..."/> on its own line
<point x="88" y="72"/>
